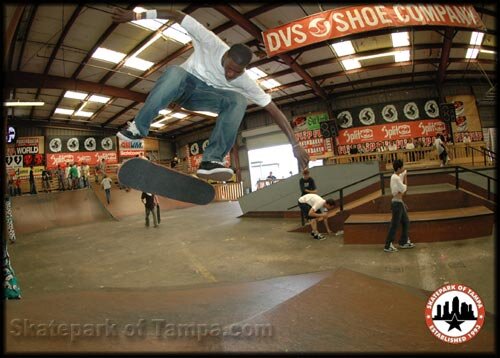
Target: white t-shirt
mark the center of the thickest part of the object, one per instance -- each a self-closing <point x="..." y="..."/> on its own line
<point x="206" y="64"/>
<point x="397" y="185"/>
<point x="314" y="200"/>
<point x="410" y="145"/>
<point x="437" y="144"/>
<point x="106" y="183"/>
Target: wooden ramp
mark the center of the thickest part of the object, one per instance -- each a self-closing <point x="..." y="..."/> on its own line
<point x="349" y="312"/>
<point x="425" y="226"/>
<point x="340" y="311"/>
<point x="43" y="211"/>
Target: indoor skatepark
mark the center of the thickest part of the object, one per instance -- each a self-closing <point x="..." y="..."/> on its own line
<point x="242" y="273"/>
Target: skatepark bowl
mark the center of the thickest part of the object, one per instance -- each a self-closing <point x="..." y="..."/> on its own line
<point x="95" y="279"/>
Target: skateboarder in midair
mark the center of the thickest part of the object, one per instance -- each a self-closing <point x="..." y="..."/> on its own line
<point x="213" y="79"/>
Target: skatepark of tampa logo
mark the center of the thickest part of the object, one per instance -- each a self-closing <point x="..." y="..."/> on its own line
<point x="454" y="313"/>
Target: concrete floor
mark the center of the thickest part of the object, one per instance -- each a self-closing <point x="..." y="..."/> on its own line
<point x="199" y="246"/>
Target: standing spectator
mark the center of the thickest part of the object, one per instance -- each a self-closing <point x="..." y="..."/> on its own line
<point x="441" y="149"/>
<point x="399" y="209"/>
<point x="46" y="180"/>
<point x="103" y="167"/>
<point x="311" y="206"/>
<point x="73" y="175"/>
<point x="410" y="145"/>
<point x="12" y="188"/>
<point x="149" y="200"/>
<point x="67" y="178"/>
<point x="79" y="180"/>
<point x="307" y="184"/>
<point x="60" y="177"/>
<point x="392" y="147"/>
<point x="106" y="184"/>
<point x="467" y="142"/>
<point x="17" y="183"/>
<point x="32" y="181"/>
<point x="85" y="174"/>
<point x="271" y="178"/>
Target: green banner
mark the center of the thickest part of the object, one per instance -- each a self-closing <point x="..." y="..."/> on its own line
<point x="314" y="120"/>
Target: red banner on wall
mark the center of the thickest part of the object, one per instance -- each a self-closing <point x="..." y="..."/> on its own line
<point x="340" y="22"/>
<point x="381" y="132"/>
<point x="314" y="144"/>
<point x="91" y="158"/>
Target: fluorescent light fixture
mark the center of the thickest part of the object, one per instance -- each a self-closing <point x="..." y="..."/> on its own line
<point x="158" y="124"/>
<point x="177" y="33"/>
<point x="138" y="63"/>
<point x="271" y="83"/>
<point x="164" y="112"/>
<point x="22" y="104"/>
<point x="402" y="56"/>
<point x="343" y="48"/>
<point x="255" y="73"/>
<point x="400" y="39"/>
<point x="100" y="99"/>
<point x="472" y="53"/>
<point x="351" y="64"/>
<point x="487" y="51"/>
<point x="83" y="114"/>
<point x="476" y="38"/>
<point x="179" y="115"/>
<point x="75" y="95"/>
<point x="68" y="112"/>
<point x="146" y="45"/>
<point x="108" y="55"/>
<point x="207" y="113"/>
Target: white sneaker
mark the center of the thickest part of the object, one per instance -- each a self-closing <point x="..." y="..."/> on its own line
<point x="130" y="133"/>
<point x="340" y="232"/>
<point x="391" y="248"/>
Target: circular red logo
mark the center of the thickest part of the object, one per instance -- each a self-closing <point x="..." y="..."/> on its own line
<point x="454" y="313"/>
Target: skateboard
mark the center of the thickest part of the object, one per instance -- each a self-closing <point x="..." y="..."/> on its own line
<point x="143" y="175"/>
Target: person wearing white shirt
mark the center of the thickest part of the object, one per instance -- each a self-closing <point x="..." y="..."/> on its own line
<point x="311" y="206"/>
<point x="441" y="149"/>
<point x="399" y="210"/>
<point x="213" y="79"/>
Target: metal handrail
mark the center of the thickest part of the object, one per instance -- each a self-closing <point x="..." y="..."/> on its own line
<point x="483" y="151"/>
<point x="456" y="169"/>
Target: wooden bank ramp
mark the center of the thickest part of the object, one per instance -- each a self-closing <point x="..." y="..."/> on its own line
<point x="340" y="311"/>
<point x="43" y="211"/>
<point x="125" y="203"/>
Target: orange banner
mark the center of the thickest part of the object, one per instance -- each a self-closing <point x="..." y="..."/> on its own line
<point x="340" y="22"/>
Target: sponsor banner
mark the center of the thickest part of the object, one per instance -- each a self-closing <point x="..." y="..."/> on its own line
<point x="91" y="158"/>
<point x="26" y="146"/>
<point x="400" y="111"/>
<point x="14" y="161"/>
<point x="467" y="117"/>
<point x="77" y="144"/>
<point x="197" y="147"/>
<point x="24" y="173"/>
<point x="314" y="144"/>
<point x="131" y="149"/>
<point x="340" y="22"/>
<point x="391" y="132"/>
<point x="310" y="121"/>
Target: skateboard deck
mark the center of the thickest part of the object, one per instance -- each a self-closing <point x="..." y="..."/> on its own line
<point x="143" y="175"/>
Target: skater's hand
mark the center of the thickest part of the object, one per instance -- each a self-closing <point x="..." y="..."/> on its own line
<point x="123" y="15"/>
<point x="302" y="157"/>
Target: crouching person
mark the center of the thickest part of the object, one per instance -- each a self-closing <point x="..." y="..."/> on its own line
<point x="311" y="206"/>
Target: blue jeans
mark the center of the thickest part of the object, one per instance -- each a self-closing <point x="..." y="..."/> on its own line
<point x="179" y="86"/>
<point x="108" y="194"/>
<point x="399" y="215"/>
